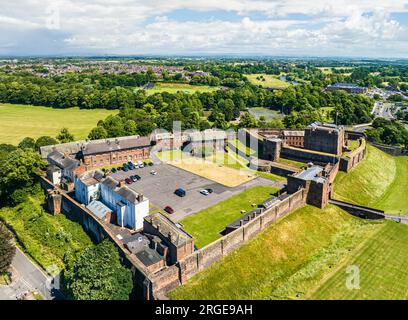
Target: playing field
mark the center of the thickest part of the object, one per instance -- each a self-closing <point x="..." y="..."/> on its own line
<point x="20" y="121"/>
<point x="206" y="225"/>
<point x="212" y="170"/>
<point x="379" y="181"/>
<point x="306" y="256"/>
<point x="271" y="81"/>
<point x="268" y="114"/>
<point x="175" y="87"/>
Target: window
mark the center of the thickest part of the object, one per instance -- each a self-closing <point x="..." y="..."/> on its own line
<point x="120" y="158"/>
<point x="125" y="158"/>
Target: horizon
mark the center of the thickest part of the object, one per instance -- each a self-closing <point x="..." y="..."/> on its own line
<point x="260" y="28"/>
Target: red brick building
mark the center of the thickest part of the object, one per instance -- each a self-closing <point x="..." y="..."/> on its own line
<point x="115" y="151"/>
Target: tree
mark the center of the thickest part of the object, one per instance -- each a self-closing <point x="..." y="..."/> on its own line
<point x="99" y="275"/>
<point x="65" y="136"/>
<point x="248" y="121"/>
<point x="98" y="132"/>
<point x="27" y="143"/>
<point x="18" y="168"/>
<point x="45" y="141"/>
<point x="7" y="248"/>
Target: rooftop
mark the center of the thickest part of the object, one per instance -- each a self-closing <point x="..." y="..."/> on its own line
<point x="312" y="173"/>
<point x="179" y="236"/>
<point x="109" y="145"/>
<point x="62" y="161"/>
<point x="98" y="209"/>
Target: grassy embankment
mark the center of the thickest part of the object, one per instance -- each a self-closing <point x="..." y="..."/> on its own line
<point x="49" y="240"/>
<point x="20" y="121"/>
<point x="379" y="181"/>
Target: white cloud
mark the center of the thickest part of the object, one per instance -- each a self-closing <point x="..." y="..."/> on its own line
<point x="120" y="26"/>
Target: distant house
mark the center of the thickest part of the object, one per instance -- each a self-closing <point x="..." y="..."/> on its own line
<point x="101" y="211"/>
<point x="348" y="87"/>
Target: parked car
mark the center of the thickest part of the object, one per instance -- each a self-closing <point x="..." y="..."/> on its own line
<point x="137" y="177"/>
<point x="113" y="170"/>
<point x="180" y="192"/>
<point x="140" y="164"/>
<point x="151" y="164"/>
<point x="131" y="165"/>
<point x="125" y="168"/>
<point x="128" y="181"/>
<point x="204" y="192"/>
<point x="153" y="172"/>
<point x="210" y="190"/>
<point x="119" y="168"/>
<point x="169" y="209"/>
<point x="134" y="179"/>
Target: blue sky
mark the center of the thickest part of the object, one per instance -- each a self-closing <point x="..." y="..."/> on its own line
<point x="369" y="28"/>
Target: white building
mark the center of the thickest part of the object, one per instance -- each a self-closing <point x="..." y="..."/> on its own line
<point x="128" y="206"/>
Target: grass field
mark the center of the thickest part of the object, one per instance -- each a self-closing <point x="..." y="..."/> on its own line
<point x="380" y="260"/>
<point x="271" y="81"/>
<point x="20" y="121"/>
<point x="378" y="181"/>
<point x="175" y="87"/>
<point x="268" y="114"/>
<point x="217" y="171"/>
<point x="292" y="163"/>
<point x="305" y="256"/>
<point x="206" y="225"/>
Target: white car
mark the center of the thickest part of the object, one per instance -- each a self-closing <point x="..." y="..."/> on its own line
<point x="204" y="192"/>
<point x="153" y="172"/>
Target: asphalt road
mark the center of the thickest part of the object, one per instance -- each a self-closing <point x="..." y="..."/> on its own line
<point x="28" y="278"/>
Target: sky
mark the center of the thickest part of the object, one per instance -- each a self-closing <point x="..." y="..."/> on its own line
<point x="352" y="28"/>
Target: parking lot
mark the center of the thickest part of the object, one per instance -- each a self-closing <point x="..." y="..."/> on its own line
<point x="160" y="189"/>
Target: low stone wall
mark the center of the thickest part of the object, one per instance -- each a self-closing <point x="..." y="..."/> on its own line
<point x="394" y="151"/>
<point x="359" y="211"/>
<point x="169" y="279"/>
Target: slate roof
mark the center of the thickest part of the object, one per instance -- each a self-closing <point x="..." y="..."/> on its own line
<point x="110" y="183"/>
<point x="128" y="194"/>
<point x="110" y="145"/>
<point x="62" y="161"/>
<point x="98" y="209"/>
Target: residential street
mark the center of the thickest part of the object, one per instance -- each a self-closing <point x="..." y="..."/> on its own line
<point x="28" y="277"/>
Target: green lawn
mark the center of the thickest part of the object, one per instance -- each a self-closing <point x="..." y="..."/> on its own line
<point x="381" y="261"/>
<point x="268" y="114"/>
<point x="292" y="163"/>
<point x="288" y="260"/>
<point x="20" y="121"/>
<point x="378" y="181"/>
<point x="206" y="225"/>
<point x="271" y="81"/>
<point x="175" y="87"/>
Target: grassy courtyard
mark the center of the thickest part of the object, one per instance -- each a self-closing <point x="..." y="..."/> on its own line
<point x="20" y="121"/>
<point x="305" y="256"/>
<point x="206" y="225"/>
<point x="267" y="80"/>
<point x="175" y="87"/>
<point x="378" y="181"/>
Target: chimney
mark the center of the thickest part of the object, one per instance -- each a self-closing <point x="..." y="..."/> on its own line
<point x="241" y="222"/>
<point x="158" y="227"/>
<point x="170" y="236"/>
<point x="140" y="197"/>
<point x="121" y="184"/>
